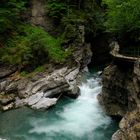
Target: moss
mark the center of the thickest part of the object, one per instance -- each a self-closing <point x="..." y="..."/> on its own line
<point x="39" y="69"/>
<point x="24" y="73"/>
<point x="35" y="71"/>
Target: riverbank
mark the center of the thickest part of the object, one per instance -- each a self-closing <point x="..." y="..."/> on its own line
<point x="71" y="119"/>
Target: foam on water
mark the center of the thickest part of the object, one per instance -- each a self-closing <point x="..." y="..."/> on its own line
<point x="78" y="118"/>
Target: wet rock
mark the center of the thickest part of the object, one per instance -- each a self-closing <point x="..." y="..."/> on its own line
<point x="114" y="95"/>
<point x="44" y="88"/>
<point x="6" y="70"/>
<point x="118" y="136"/>
<point x="8" y="107"/>
<point x="2" y="139"/>
<point x="11" y="87"/>
<point x="5" y="99"/>
<point x="129" y="127"/>
<point x="3" y="84"/>
<point x="137" y="67"/>
<point x="58" y="90"/>
<point x="44" y="103"/>
<point x="74" y="90"/>
<point x="121" y="97"/>
<point x="83" y="55"/>
<point x="34" y="98"/>
<point x="19" y="102"/>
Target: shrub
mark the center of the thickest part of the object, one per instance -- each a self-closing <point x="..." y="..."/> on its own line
<point x="32" y="47"/>
<point x="123" y="17"/>
<point x="56" y="9"/>
<point x="10" y="13"/>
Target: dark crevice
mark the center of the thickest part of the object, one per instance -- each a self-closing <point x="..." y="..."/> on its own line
<point x="100" y="49"/>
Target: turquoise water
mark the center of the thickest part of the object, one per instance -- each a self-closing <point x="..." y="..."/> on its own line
<point x="80" y="119"/>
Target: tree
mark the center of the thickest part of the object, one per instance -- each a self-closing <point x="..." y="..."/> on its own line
<point x="123" y="18"/>
<point x="10" y="13"/>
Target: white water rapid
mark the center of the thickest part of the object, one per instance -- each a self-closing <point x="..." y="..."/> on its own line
<point x="81" y="118"/>
<point x="70" y="119"/>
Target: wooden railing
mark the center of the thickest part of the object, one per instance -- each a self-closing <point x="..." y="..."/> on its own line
<point x="125" y="54"/>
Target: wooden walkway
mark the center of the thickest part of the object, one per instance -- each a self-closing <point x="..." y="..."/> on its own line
<point x="115" y="53"/>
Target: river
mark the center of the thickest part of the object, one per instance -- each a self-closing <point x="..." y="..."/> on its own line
<point x="71" y="119"/>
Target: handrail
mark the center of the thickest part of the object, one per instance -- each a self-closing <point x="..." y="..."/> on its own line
<point x="115" y="52"/>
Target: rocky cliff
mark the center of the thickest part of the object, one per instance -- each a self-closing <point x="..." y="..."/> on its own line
<point x="42" y="89"/>
<point x="120" y="97"/>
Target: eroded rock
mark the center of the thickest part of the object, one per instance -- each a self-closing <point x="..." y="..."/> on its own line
<point x="8" y="107"/>
<point x="41" y="92"/>
<point x="6" y="70"/>
<point x="44" y="103"/>
<point x="5" y="99"/>
<point x="129" y="127"/>
<point x="121" y="97"/>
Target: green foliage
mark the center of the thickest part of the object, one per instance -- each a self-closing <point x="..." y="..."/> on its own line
<point x="15" y="51"/>
<point x="24" y="73"/>
<point x="10" y="13"/>
<point x="56" y="9"/>
<point x="39" y="69"/>
<point x="31" y="47"/>
<point x="76" y="12"/>
<point x="39" y="38"/>
<point x="70" y="32"/>
<point x="35" y="71"/>
<point x="123" y="16"/>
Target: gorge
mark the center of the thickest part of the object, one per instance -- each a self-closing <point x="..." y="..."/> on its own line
<point x="69" y="70"/>
<point x="79" y="119"/>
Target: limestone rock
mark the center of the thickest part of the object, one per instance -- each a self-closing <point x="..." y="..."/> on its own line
<point x="39" y="90"/>
<point x="118" y="136"/>
<point x="6" y="70"/>
<point x="19" y="102"/>
<point x="44" y="103"/>
<point x="129" y="127"/>
<point x="5" y="99"/>
<point x="8" y="107"/>
<point x="114" y="94"/>
<point x="121" y="97"/>
<point x="34" y="98"/>
<point x="2" y="139"/>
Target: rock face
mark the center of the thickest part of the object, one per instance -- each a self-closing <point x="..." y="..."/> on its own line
<point x="6" y="70"/>
<point x="115" y="94"/>
<point x="129" y="127"/>
<point x="100" y="41"/>
<point x="121" y="97"/>
<point x="37" y="15"/>
<point x="40" y="91"/>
